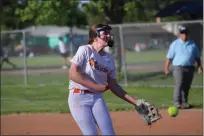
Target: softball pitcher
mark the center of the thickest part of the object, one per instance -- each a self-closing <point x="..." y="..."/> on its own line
<point x="91" y="73"/>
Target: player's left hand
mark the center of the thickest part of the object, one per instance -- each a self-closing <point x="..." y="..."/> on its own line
<point x="147" y="111"/>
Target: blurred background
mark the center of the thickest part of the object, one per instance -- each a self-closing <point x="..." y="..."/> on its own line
<point x="142" y="29"/>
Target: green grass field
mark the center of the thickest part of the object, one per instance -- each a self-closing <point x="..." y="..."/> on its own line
<point x="36" y="61"/>
<point x="157" y="78"/>
<point x="56" y="60"/>
<point x="134" y="78"/>
<point x="146" y="56"/>
<point x="47" y="92"/>
<point x="53" y="98"/>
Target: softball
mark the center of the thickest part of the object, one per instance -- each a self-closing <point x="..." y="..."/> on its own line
<point x="173" y="111"/>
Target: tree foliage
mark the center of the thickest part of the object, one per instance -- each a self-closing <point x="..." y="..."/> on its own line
<point x="95" y="11"/>
<point x="17" y="14"/>
<point x="104" y="11"/>
<point x="61" y="12"/>
<point x="9" y="20"/>
<point x="124" y="11"/>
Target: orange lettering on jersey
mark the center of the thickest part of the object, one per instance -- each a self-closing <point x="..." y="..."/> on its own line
<point x="94" y="64"/>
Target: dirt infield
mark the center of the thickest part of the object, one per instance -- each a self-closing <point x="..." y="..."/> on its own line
<point x="188" y="122"/>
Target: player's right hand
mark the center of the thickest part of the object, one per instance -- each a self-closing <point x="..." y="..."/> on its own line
<point x="101" y="88"/>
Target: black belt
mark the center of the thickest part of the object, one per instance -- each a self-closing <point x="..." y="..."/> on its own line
<point x="185" y="66"/>
<point x="81" y="91"/>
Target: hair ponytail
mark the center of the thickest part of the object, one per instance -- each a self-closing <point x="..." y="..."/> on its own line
<point x="90" y="41"/>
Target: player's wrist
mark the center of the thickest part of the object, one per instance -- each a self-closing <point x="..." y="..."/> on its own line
<point x="107" y="87"/>
<point x="200" y="67"/>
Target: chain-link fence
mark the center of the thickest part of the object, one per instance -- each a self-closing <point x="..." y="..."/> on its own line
<point x="139" y="50"/>
<point x="36" y="54"/>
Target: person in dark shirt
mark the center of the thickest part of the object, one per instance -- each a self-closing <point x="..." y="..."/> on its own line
<point x="5" y="57"/>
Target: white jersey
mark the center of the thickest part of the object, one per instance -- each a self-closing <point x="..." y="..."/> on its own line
<point x="94" y="66"/>
<point x="62" y="47"/>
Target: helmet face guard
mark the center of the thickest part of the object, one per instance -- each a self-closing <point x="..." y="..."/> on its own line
<point x="111" y="41"/>
<point x="106" y="28"/>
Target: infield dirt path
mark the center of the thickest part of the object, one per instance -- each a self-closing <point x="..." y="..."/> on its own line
<point x="188" y="122"/>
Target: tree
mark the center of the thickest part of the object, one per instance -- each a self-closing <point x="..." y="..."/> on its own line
<point x="61" y="12"/>
<point x="9" y="20"/>
<point x="95" y="12"/>
<point x="134" y="11"/>
<point x="104" y="11"/>
<point x="124" y="11"/>
<point x="17" y="14"/>
<point x="115" y="11"/>
<point x="145" y="11"/>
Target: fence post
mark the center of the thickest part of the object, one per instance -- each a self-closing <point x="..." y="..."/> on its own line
<point x="123" y="55"/>
<point x="25" y="61"/>
<point x="71" y="40"/>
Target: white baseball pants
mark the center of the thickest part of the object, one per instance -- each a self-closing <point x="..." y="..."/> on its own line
<point x="89" y="111"/>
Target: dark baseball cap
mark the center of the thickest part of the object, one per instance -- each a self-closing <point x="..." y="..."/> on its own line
<point x="183" y="29"/>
